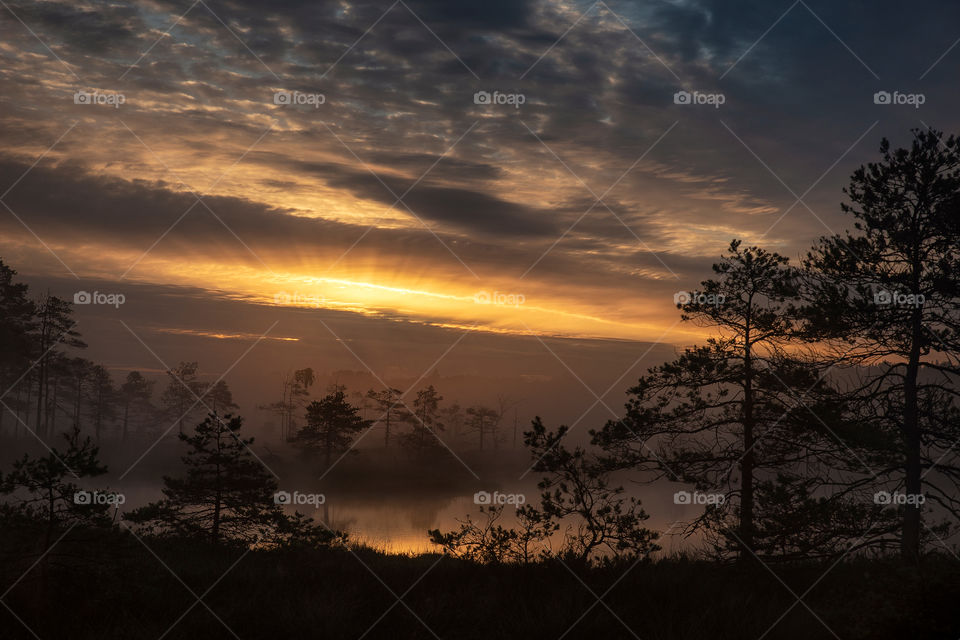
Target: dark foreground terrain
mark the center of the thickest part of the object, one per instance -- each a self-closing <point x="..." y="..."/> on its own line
<point x="115" y="586"/>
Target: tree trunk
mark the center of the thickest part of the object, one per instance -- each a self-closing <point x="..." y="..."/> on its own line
<point x="748" y="461"/>
<point x="218" y="496"/>
<point x="910" y="534"/>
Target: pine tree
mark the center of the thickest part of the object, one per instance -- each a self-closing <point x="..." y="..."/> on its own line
<point x="425" y="423"/>
<point x="17" y="323"/>
<point x="43" y="489"/>
<point x="226" y="495"/>
<point x="887" y="298"/>
<point x="179" y="398"/>
<point x="390" y="407"/>
<point x="332" y="424"/>
<point x="135" y="394"/>
<point x="733" y="416"/>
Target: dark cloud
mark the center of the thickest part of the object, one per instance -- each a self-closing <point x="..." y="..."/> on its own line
<point x="93" y="210"/>
<point x="398" y="99"/>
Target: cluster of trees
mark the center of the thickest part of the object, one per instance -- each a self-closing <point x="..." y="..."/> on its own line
<point x="823" y="412"/>
<point x="328" y="426"/>
<point x="225" y="495"/>
<point x="48" y="389"/>
<point x="332" y="423"/>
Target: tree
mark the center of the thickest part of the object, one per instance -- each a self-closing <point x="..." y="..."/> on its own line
<point x="294" y="391"/>
<point x="44" y="492"/>
<point x="886" y="296"/>
<point x="595" y="519"/>
<point x="425" y="422"/>
<point x="226" y="495"/>
<point x="79" y="371"/>
<point x="54" y="326"/>
<point x="180" y="397"/>
<point x="725" y="417"/>
<point x="576" y="486"/>
<point x="390" y="406"/>
<point x="17" y="323"/>
<point x="489" y="542"/>
<point x="482" y="420"/>
<point x="103" y="397"/>
<point x="453" y="417"/>
<point x="332" y="424"/>
<point x="218" y="397"/>
<point x="135" y="394"/>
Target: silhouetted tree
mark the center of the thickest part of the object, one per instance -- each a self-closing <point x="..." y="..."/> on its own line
<point x="482" y="420"/>
<point x="424" y="422"/>
<point x="103" y="398"/>
<point x="226" y="496"/>
<point x="887" y="296"/>
<point x="218" y="397"/>
<point x="294" y="391"/>
<point x="42" y="489"/>
<point x="54" y="327"/>
<point x="79" y="371"/>
<point x="17" y="323"/>
<point x="389" y="407"/>
<point x="453" y="418"/>
<point x="595" y="519"/>
<point x="332" y="424"/>
<point x="577" y="492"/>
<point x="489" y="542"/>
<point x="179" y="398"/>
<point x="728" y="415"/>
<point x="135" y="393"/>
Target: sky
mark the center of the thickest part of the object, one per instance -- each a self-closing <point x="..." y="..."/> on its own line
<point x="385" y="178"/>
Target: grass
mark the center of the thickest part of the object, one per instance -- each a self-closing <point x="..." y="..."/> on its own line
<point x="112" y="586"/>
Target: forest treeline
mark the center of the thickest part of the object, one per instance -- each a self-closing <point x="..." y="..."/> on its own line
<point x="819" y="419"/>
<point x="50" y="389"/>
